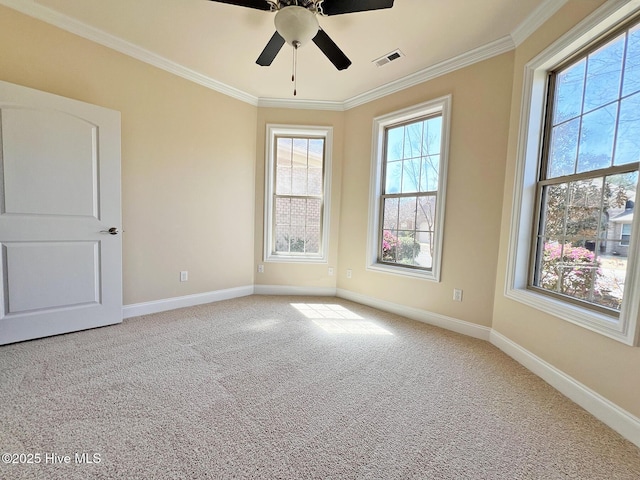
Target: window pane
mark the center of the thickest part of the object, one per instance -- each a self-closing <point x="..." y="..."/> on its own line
<point x="395" y="139"/>
<point x="393" y="177"/>
<point x="413" y="140"/>
<point x="555" y="201"/>
<point x="432" y="136"/>
<point x="632" y="63"/>
<point x="407" y="218"/>
<point x="628" y="136"/>
<point x="314" y="207"/>
<point x="283" y="166"/>
<point x="596" y="138"/>
<point x="429" y="173"/>
<point x="316" y="152"/>
<point x="604" y="68"/>
<point x="408" y="248"/>
<point x="283" y="211"/>
<point x="389" y="245"/>
<point x="296" y="239"/>
<point x="426" y="213"/>
<point x="298" y="211"/>
<point x="564" y="148"/>
<point x="568" y="96"/>
<point x="584" y="211"/>
<point x="299" y="180"/>
<point x="299" y="174"/>
<point x="315" y="181"/>
<point x="312" y="239"/>
<point x="410" y="175"/>
<point x="390" y="219"/>
<point x="567" y="269"/>
<point x="315" y="165"/>
<point x="282" y="238"/>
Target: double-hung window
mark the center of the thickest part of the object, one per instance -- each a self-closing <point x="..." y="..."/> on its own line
<point x="579" y="195"/>
<point x="407" y="190"/>
<point x="297" y="193"/>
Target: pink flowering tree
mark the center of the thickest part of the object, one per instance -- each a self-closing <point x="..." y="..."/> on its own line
<point x="399" y="249"/>
<point x="573" y="271"/>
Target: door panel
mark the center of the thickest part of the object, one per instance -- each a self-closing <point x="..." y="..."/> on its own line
<point x="59" y="195"/>
<point x="50" y="163"/>
<point x="39" y="273"/>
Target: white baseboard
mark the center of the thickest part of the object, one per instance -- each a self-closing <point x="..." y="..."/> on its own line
<point x="157" y="306"/>
<point x="292" y="290"/>
<point x="448" y="323"/>
<point x="604" y="410"/>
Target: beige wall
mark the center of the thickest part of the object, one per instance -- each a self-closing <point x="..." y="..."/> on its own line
<point x="299" y="274"/>
<point x="188" y="153"/>
<point x="606" y="366"/>
<point x="481" y="96"/>
<point x="187" y="156"/>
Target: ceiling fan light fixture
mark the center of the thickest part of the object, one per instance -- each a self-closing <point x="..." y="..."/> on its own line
<point x="296" y="25"/>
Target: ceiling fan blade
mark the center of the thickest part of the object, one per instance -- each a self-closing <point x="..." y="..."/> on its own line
<point x="259" y="4"/>
<point x="331" y="50"/>
<point x="337" y="7"/>
<point x="271" y="50"/>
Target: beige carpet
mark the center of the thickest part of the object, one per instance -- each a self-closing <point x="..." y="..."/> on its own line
<point x="291" y="388"/>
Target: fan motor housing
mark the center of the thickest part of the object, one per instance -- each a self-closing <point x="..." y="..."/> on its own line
<point x="297" y="25"/>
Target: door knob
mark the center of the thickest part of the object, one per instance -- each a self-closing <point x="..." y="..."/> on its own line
<point x="111" y="231"/>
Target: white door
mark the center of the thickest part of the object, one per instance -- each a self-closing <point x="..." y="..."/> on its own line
<point x="61" y="269"/>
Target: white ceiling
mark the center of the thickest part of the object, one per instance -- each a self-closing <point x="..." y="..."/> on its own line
<point x="217" y="44"/>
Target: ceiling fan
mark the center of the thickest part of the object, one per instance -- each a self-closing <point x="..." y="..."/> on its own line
<point x="296" y="24"/>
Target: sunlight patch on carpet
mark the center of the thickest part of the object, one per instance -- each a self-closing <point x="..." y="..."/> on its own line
<point x="336" y="319"/>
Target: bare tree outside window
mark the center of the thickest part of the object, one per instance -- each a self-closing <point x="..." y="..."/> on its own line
<point x="589" y="174"/>
<point x="410" y="192"/>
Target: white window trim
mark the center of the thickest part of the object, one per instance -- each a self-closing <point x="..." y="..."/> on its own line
<point x="440" y="105"/>
<point x="299" y="131"/>
<point x="626" y="328"/>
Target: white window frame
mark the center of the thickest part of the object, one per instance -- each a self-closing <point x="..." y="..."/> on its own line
<point x="624" y="328"/>
<point x="274" y="131"/>
<point x="442" y="106"/>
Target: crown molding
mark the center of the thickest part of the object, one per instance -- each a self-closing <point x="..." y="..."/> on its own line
<point x="300" y="104"/>
<point x="497" y="47"/>
<point x="535" y="20"/>
<point x="45" y="14"/>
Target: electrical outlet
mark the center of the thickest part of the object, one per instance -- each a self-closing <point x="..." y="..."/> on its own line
<point x="184" y="276"/>
<point x="457" y="295"/>
<point x="260" y="268"/>
<point x="331" y="271"/>
<point x="349" y="273"/>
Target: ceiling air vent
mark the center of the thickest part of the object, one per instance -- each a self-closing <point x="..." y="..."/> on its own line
<point x="389" y="57"/>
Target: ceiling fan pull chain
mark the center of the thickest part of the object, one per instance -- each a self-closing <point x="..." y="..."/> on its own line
<point x="294" y="75"/>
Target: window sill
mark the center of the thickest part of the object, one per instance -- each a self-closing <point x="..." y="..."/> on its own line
<point x="594" y="321"/>
<point x="294" y="259"/>
<point x="403" y="271"/>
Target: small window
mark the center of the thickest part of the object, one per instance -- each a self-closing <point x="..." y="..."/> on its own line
<point x="407" y="200"/>
<point x="296" y="204"/>
<point x="626" y="234"/>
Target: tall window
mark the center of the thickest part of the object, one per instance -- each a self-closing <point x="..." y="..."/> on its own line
<point x="590" y="173"/>
<point x="574" y="241"/>
<point x="408" y="190"/>
<point x="297" y="192"/>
